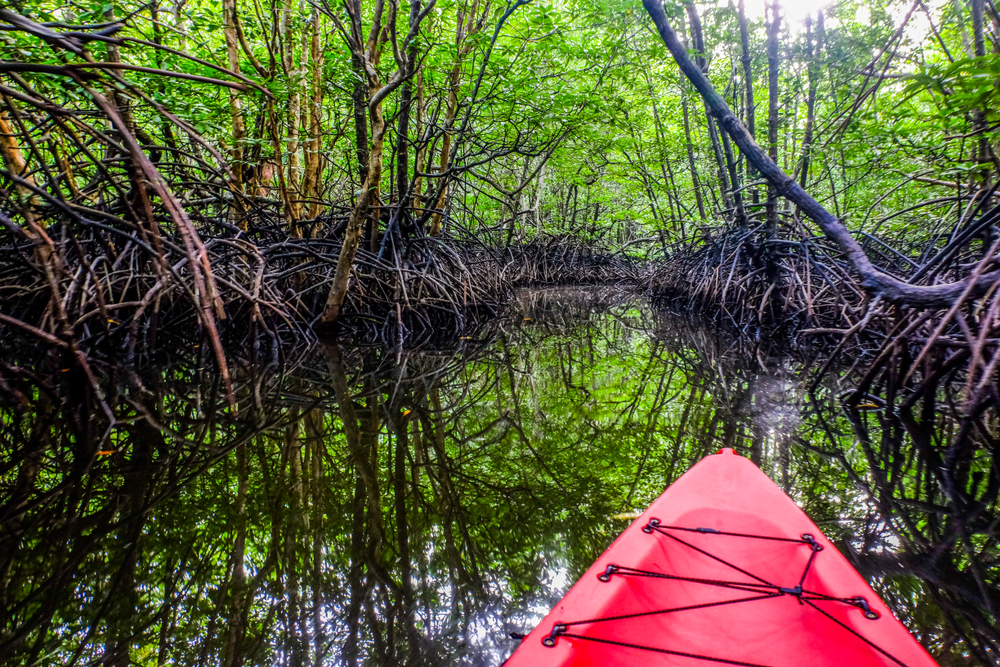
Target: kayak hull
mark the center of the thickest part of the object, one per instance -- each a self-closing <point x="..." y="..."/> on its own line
<point x="758" y="585"/>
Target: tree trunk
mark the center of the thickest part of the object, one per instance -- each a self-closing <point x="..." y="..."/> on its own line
<point x="359" y="98"/>
<point x="311" y="187"/>
<point x="983" y="153"/>
<point x="375" y="163"/>
<point x="352" y="236"/>
<point x="402" y="143"/>
<point x="13" y="159"/>
<point x="124" y="600"/>
<point x="812" y="54"/>
<point x="115" y="56"/>
<point x="771" y="207"/>
<point x="166" y="126"/>
<point x="661" y="140"/>
<point x="720" y="162"/>
<point x="239" y="127"/>
<point x="294" y="102"/>
<point x="690" y="143"/>
<point x="283" y="190"/>
<point x="698" y="41"/>
<point x="536" y="208"/>
<point x="734" y="179"/>
<point x="692" y="166"/>
<point x="451" y="110"/>
<point x="405" y="103"/>
<point x="232" y="652"/>
<point x="419" y="162"/>
<point x="180" y="23"/>
<point x="748" y="83"/>
<point x="352" y="434"/>
<point x="467" y="26"/>
<point x="399" y="425"/>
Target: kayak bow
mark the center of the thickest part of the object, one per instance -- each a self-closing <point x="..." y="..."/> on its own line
<point x="722" y="568"/>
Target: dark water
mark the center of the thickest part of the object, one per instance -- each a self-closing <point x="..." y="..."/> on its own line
<point x="390" y="507"/>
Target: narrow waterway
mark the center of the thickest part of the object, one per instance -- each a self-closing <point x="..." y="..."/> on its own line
<point x="389" y="506"/>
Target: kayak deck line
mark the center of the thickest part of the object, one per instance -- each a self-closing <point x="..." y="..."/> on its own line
<point x="654" y="525"/>
<point x="705" y="574"/>
<point x="614" y="642"/>
<point x="766" y="589"/>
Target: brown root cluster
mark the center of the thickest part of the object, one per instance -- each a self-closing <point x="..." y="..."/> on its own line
<point x="797" y="290"/>
<point x="562" y="260"/>
<point x="744" y="279"/>
<point x="111" y="284"/>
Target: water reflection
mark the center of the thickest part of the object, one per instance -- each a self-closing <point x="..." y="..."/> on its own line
<point x="390" y="507"/>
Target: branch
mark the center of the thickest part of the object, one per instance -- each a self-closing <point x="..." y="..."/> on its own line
<point x="260" y="69"/>
<point x="64" y="70"/>
<point x="402" y="73"/>
<point x="74" y="42"/>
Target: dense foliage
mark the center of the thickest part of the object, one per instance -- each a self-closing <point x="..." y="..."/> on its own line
<point x="544" y="117"/>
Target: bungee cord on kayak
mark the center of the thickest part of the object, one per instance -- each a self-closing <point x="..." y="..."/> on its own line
<point x="798" y="591"/>
<point x="668" y="651"/>
<point x="766" y="589"/>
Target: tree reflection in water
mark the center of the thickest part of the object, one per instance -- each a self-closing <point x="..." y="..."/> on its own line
<point x="384" y="507"/>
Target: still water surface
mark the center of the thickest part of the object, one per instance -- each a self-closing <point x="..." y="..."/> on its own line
<point x="370" y="506"/>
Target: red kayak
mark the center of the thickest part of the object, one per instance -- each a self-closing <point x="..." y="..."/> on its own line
<point x="722" y="568"/>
